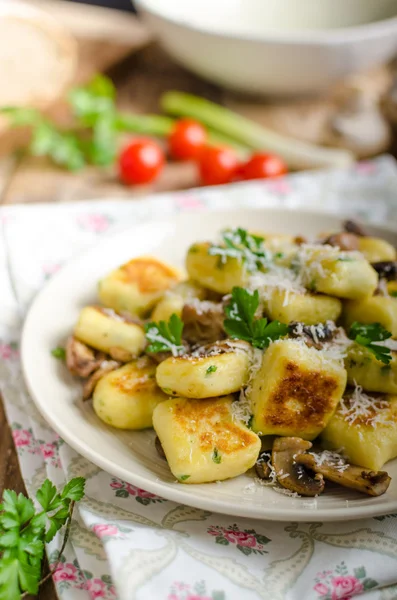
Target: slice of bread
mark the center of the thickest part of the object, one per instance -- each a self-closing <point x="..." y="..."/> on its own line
<point x="38" y="57"/>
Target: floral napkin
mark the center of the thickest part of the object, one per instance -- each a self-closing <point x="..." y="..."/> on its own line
<point x="127" y="543"/>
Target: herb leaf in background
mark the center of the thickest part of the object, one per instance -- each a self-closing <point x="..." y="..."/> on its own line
<point x="241" y="322"/>
<point x="64" y="148"/>
<point x="368" y="335"/>
<point x="165" y="337"/>
<point x="23" y="532"/>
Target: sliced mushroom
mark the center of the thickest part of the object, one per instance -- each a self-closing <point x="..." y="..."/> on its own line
<point x="291" y="474"/>
<point x="344" y="240"/>
<point x="372" y="483"/>
<point x="159" y="448"/>
<point x="386" y="269"/>
<point x="314" y="335"/>
<point x="354" y="227"/>
<point x="203" y="321"/>
<point x="80" y="359"/>
<point x="106" y="367"/>
<point x="263" y="467"/>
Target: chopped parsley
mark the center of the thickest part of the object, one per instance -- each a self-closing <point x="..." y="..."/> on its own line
<point x="165" y="337"/>
<point x="216" y="457"/>
<point x="368" y="336"/>
<point x="211" y="369"/>
<point x="183" y="477"/>
<point x="245" y="247"/>
<point x="241" y="322"/>
<point x="59" y="353"/>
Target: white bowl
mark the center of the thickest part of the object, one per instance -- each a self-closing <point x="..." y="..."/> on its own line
<point x="276" y="47"/>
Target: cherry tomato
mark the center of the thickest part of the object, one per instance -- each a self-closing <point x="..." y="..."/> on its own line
<point x="217" y="165"/>
<point x="141" y="162"/>
<point x="187" y="139"/>
<point x="262" y="166"/>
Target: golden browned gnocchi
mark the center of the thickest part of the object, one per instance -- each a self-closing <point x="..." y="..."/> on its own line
<point x="202" y="441"/>
<point x="249" y="354"/>
<point x="368" y="437"/>
<point x="216" y="370"/>
<point x="136" y="286"/>
<point x="110" y="332"/>
<point x="214" y="272"/>
<point x="295" y="391"/>
<point x="127" y="397"/>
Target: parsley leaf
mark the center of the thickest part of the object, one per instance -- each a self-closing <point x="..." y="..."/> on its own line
<point x="165" y="337"/>
<point x="211" y="369"/>
<point x="59" y="353"/>
<point x="23" y="533"/>
<point x="241" y="322"/>
<point x="245" y="247"/>
<point x="367" y="335"/>
<point x="216" y="457"/>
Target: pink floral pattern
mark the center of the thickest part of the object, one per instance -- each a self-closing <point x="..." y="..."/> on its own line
<point x="279" y="186"/>
<point x="50" y="451"/>
<point x="95" y="222"/>
<point x="125" y="490"/>
<point x="69" y="576"/>
<point x="105" y="531"/>
<point x="8" y="351"/>
<point x="340" y="585"/>
<point x="24" y="440"/>
<point x="246" y="540"/>
<point x="198" y="591"/>
<point x="189" y="202"/>
<point x="50" y="269"/>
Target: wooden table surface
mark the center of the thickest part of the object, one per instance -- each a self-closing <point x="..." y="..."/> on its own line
<point x="141" y="72"/>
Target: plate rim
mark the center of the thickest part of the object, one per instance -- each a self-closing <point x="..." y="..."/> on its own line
<point x="176" y="492"/>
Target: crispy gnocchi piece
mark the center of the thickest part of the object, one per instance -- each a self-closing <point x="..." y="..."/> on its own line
<point x="213" y="273"/>
<point x="110" y="332"/>
<point x="368" y="437"/>
<point x="342" y="274"/>
<point x="215" y="370"/>
<point x="202" y="441"/>
<point x="375" y="309"/>
<point x="295" y="391"/>
<point x="137" y="285"/>
<point x="376" y="249"/>
<point x="126" y="397"/>
<point x="309" y="309"/>
<point x="174" y="299"/>
<point x="372" y="374"/>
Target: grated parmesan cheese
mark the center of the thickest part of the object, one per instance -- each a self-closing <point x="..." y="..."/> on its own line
<point x="366" y="409"/>
<point x="332" y="459"/>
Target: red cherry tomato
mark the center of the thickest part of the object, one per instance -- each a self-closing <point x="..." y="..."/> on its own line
<point x="263" y="166"/>
<point x="187" y="139"/>
<point x="141" y="162"/>
<point x="217" y="165"/>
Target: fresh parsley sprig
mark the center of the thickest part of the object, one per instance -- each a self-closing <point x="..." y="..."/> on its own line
<point x="368" y="335"/>
<point x="93" y="136"/>
<point x="24" y="531"/>
<point x="241" y="322"/>
<point x="165" y="337"/>
<point x="247" y="248"/>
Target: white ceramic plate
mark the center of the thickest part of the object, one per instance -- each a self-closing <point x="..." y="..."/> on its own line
<point x="131" y="455"/>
